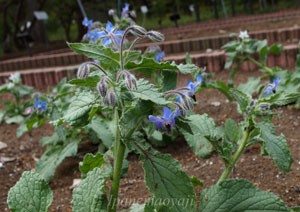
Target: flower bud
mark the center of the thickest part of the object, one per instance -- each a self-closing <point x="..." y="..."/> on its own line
<point x="111" y="12"/>
<point x="264" y="106"/>
<point x="155" y="36"/>
<point x="130" y="80"/>
<point x="111" y="98"/>
<point x="83" y="71"/>
<point x="102" y="86"/>
<point x="138" y="31"/>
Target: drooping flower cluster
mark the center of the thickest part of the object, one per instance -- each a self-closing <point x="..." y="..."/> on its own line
<point x="185" y="98"/>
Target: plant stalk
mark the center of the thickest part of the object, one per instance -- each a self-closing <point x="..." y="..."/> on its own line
<point x="236" y="156"/>
<point x="119" y="153"/>
<point x="260" y="65"/>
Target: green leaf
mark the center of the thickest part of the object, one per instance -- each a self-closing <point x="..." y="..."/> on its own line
<point x="276" y="49"/>
<point x="21" y="129"/>
<point x="146" y="91"/>
<point x="196" y="182"/>
<point x="276" y="146"/>
<point x="52" y="140"/>
<point x="250" y="86"/>
<point x="281" y="99"/>
<point x="169" y="80"/>
<point x="133" y="116"/>
<point x="188" y="68"/>
<point x="239" y="195"/>
<point x="232" y="131"/>
<point x="262" y="48"/>
<point x="107" y="57"/>
<point x="295" y="209"/>
<point x="220" y="86"/>
<point x="166" y="180"/>
<point x="90" y="162"/>
<point x="104" y="130"/>
<point x="90" y="195"/>
<point x="242" y="99"/>
<point x="14" y="120"/>
<point x="147" y="65"/>
<point x="31" y="193"/>
<point x="89" y="81"/>
<point x="201" y="126"/>
<point x="53" y="156"/>
<point x="79" y="108"/>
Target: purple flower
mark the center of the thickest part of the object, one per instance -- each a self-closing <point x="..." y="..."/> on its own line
<point x="40" y="106"/>
<point x="165" y="122"/>
<point x="159" y="56"/>
<point x="87" y="23"/>
<point x="125" y="9"/>
<point x="271" y="87"/>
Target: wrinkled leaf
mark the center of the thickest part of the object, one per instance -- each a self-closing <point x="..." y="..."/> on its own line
<point x="90" y="195"/>
<point x="239" y="195"/>
<point x="30" y="193"/>
<point x="276" y="146"/>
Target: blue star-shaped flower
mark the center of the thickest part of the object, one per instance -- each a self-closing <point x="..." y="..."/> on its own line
<point x="159" y="56"/>
<point x="40" y="106"/>
<point x="87" y="23"/>
<point x="271" y="87"/>
<point x="167" y="121"/>
<point x="110" y="35"/>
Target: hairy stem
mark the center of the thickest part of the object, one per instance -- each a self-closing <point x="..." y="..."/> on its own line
<point x="119" y="153"/>
<point x="236" y="156"/>
<point x="121" y="51"/>
<point x="260" y="65"/>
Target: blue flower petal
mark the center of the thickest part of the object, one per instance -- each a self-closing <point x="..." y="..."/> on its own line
<point x="106" y="41"/>
<point x="157" y="120"/>
<point x="109" y="27"/>
<point x="167" y="113"/>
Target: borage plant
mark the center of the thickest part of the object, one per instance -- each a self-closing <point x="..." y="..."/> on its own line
<point x="129" y="110"/>
<point x="14" y="111"/>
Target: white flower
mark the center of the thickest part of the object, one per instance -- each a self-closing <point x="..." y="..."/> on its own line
<point x="15" y="78"/>
<point x="243" y="35"/>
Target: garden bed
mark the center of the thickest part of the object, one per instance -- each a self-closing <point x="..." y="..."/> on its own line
<point x="261" y="171"/>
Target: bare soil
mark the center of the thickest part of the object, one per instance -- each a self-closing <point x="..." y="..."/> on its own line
<point x="261" y="171"/>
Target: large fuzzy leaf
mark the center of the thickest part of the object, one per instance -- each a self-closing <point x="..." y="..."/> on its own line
<point x="200" y="126"/>
<point x="104" y="130"/>
<point x="79" y="108"/>
<point x="147" y="91"/>
<point x="90" y="195"/>
<point x="53" y="156"/>
<point x="31" y="193"/>
<point x="166" y="180"/>
<point x="108" y="58"/>
<point x="239" y="195"/>
<point x="276" y="146"/>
